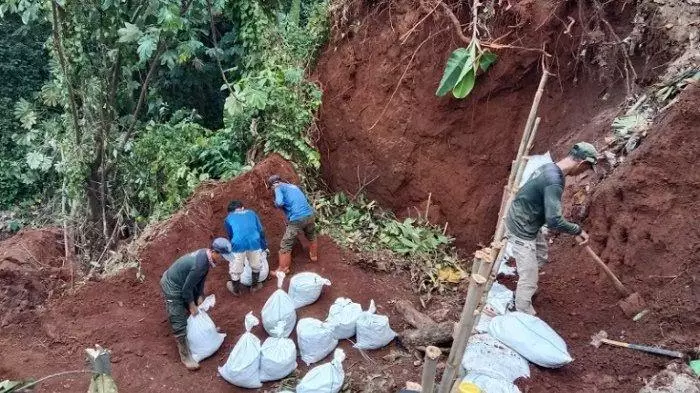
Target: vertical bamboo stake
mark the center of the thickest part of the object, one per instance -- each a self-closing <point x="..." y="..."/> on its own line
<point x="427" y="381"/>
<point x="459" y="344"/>
<point x="484" y="259"/>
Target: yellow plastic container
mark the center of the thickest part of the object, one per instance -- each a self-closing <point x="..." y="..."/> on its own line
<point x="468" y="387"/>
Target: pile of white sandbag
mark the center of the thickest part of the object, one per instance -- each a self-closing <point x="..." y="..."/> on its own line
<point x="279" y="307"/>
<point x="243" y="365"/>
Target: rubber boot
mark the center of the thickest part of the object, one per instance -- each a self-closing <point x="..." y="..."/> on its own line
<point x="185" y="355"/>
<point x="256" y="284"/>
<point x="234" y="287"/>
<point x="313" y="250"/>
<point x="285" y="259"/>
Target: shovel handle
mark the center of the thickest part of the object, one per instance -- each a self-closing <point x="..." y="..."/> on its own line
<point x="645" y="348"/>
<point x="618" y="285"/>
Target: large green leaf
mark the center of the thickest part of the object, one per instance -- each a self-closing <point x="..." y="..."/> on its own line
<point x="453" y="70"/>
<point x="129" y="33"/>
<point x="147" y="45"/>
<point x="465" y="85"/>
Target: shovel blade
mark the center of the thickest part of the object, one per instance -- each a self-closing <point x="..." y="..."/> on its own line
<point x="632" y="305"/>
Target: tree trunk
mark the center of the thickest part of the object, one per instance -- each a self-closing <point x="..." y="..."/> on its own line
<point x="436" y="335"/>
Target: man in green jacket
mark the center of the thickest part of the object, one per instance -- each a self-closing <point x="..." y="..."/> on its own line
<point x="183" y="289"/>
<point x="538" y="202"/>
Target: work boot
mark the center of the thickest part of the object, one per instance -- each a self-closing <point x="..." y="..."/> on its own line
<point x="185" y="355"/>
<point x="313" y="250"/>
<point x="256" y="284"/>
<point x="234" y="287"/>
<point x="285" y="262"/>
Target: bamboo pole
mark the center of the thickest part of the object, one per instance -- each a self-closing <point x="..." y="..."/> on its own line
<point x="427" y="382"/>
<point x="459" y="344"/>
<point x="484" y="258"/>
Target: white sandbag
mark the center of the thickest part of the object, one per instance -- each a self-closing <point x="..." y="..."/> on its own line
<point x="533" y="163"/>
<point x="326" y="378"/>
<point x="305" y="288"/>
<point x="202" y="336"/>
<point x="247" y="275"/>
<point x="316" y="339"/>
<point x="489" y="384"/>
<point x="532" y="338"/>
<point x="279" y="307"/>
<point x="242" y="367"/>
<point x="486" y="355"/>
<point x="373" y="331"/>
<point x="278" y="355"/>
<point x="344" y="313"/>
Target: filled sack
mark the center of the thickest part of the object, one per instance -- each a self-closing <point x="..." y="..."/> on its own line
<point x="326" y="378"/>
<point x="497" y="302"/>
<point x="532" y="338"/>
<point x="242" y="367"/>
<point x="344" y="314"/>
<point x="486" y="355"/>
<point x="489" y="384"/>
<point x="247" y="275"/>
<point x="203" y="338"/>
<point x="316" y="339"/>
<point x="279" y="307"/>
<point x="305" y="288"/>
<point x="278" y="355"/>
<point x="373" y="331"/>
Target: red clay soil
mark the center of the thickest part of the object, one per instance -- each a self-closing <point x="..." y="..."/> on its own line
<point x="642" y="221"/>
<point x="380" y="117"/>
<point x="128" y="316"/>
<point x="31" y="271"/>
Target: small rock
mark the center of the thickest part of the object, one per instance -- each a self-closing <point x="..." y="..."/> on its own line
<point x="417" y="363"/>
<point x="120" y="303"/>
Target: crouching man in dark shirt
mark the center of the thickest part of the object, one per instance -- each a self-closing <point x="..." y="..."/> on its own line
<point x="183" y="289"/>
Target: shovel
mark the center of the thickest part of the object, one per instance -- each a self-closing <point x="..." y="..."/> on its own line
<point x="633" y="303"/>
<point x="602" y="338"/>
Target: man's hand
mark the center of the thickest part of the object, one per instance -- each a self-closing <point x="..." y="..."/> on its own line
<point x="200" y="300"/>
<point x="267" y="252"/>
<point x="193" y="309"/>
<point x="582" y="238"/>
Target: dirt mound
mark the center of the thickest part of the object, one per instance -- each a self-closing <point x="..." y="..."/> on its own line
<point x="642" y="222"/>
<point x="382" y="126"/>
<point x="128" y="317"/>
<point x="30" y="272"/>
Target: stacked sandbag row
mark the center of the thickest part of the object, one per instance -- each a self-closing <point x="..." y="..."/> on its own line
<point x="499" y="353"/>
<point x="251" y="363"/>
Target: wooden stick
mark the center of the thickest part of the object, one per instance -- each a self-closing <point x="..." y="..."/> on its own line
<point x="429" y="367"/>
<point x="476" y="288"/>
<point x="427" y="207"/>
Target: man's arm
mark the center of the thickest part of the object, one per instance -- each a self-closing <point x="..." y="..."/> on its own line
<point x="261" y="231"/>
<point x="229" y="229"/>
<point x="553" y="211"/>
<point x="279" y="197"/>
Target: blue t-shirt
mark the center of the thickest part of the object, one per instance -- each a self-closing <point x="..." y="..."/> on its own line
<point x="293" y="202"/>
<point x="245" y="231"/>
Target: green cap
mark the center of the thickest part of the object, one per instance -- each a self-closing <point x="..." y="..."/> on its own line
<point x="584" y="151"/>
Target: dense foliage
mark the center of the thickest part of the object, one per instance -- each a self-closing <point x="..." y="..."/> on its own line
<point x="121" y="123"/>
<point x="23" y="69"/>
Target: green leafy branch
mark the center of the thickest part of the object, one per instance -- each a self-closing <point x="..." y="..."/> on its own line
<point x="462" y="68"/>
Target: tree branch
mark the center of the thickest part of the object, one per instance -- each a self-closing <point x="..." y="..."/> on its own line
<point x="216" y="48"/>
<point x="58" y="46"/>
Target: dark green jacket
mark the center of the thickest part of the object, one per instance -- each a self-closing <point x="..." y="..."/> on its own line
<point x="185" y="278"/>
<point x="538" y="202"/>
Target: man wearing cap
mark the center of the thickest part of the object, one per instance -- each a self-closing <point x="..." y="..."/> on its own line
<point x="183" y="289"/>
<point x="538" y="202"/>
<point x="300" y="218"/>
<point x="248" y="242"/>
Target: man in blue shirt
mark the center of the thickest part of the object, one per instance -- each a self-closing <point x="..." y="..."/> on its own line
<point x="300" y="218"/>
<point x="248" y="243"/>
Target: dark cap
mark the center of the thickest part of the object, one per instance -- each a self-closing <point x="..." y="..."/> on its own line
<point x="223" y="246"/>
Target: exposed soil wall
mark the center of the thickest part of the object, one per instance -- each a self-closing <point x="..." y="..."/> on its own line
<point x="30" y="272"/>
<point x="381" y="119"/>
